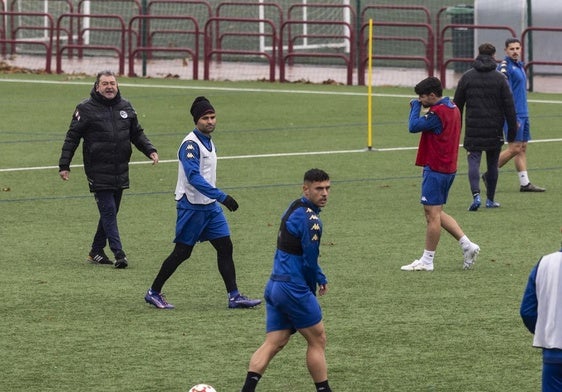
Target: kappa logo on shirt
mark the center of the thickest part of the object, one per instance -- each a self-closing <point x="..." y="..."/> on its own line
<point x="189" y="155"/>
<point x="77" y="115"/>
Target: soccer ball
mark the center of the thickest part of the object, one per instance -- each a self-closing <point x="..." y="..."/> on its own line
<point x="202" y="388"/>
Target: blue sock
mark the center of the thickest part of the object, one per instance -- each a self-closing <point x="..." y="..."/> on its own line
<point x="233" y="293"/>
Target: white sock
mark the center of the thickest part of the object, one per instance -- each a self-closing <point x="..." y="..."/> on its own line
<point x="464" y="242"/>
<point x="523" y="178"/>
<point x="428" y="256"/>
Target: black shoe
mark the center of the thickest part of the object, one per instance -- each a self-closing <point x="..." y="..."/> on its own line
<point x="531" y="188"/>
<point x="121" y="262"/>
<point x="99" y="258"/>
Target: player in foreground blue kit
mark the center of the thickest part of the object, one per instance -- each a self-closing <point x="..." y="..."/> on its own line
<point x="290" y="293"/>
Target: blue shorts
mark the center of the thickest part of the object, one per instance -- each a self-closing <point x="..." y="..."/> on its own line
<point x="523" y="132"/>
<point x="435" y="187"/>
<point x="290" y="306"/>
<point x="194" y="226"/>
<point x="551" y="377"/>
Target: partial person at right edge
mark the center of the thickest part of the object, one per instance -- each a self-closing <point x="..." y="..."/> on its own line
<point x="514" y="71"/>
<point x="541" y="311"/>
<point x="489" y="104"/>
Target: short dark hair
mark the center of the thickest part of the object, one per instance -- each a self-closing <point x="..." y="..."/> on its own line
<point x="316" y="175"/>
<point x="428" y="86"/>
<point x="510" y="41"/>
<point x="487" y="49"/>
<point x="104" y="73"/>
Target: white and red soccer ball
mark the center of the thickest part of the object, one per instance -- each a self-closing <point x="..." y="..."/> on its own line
<point x="202" y="388"/>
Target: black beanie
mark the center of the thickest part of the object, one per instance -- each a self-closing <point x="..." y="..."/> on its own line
<point x="200" y="107"/>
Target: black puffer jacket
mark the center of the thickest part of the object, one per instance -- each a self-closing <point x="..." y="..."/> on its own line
<point x="489" y="103"/>
<point x="108" y="128"/>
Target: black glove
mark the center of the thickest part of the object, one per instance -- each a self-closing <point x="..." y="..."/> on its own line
<point x="230" y="203"/>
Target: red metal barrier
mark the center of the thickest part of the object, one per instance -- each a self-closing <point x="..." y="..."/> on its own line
<point x="442" y="63"/>
<point x="12" y="39"/>
<point x="80" y="46"/>
<point x="529" y="65"/>
<point x="135" y="4"/>
<point x="204" y="3"/>
<point x="154" y="5"/>
<point x="210" y="51"/>
<point x="193" y="52"/>
<point x="3" y="28"/>
<point x="291" y="53"/>
<point x="261" y="7"/>
<point x="16" y="6"/>
<point x="426" y="38"/>
<point x="529" y="31"/>
<point x="306" y="18"/>
<point x="426" y="42"/>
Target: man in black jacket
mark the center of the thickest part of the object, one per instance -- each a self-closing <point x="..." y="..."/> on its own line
<point x="108" y="124"/>
<point x="489" y="103"/>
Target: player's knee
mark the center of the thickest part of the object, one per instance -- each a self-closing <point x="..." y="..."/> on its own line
<point x="182" y="251"/>
<point x="223" y="246"/>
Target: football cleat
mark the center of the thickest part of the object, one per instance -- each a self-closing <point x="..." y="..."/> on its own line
<point x="417" y="265"/>
<point x="492" y="204"/>
<point x="241" y="301"/>
<point x="531" y="188"/>
<point x="157" y="299"/>
<point x="475" y="203"/>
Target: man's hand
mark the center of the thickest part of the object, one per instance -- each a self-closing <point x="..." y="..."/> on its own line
<point x="322" y="289"/>
<point x="64" y="174"/>
<point x="154" y="157"/>
<point x="230" y="203"/>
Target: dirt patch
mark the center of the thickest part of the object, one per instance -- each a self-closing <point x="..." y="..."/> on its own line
<point x="12" y="69"/>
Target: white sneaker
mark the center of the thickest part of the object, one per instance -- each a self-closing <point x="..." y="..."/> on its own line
<point x="417" y="265"/>
<point x="470" y="254"/>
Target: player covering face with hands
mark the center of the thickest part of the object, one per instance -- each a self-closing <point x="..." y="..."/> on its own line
<point x="438" y="149"/>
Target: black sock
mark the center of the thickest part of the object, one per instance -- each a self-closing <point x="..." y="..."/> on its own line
<point x="180" y="253"/>
<point x="252" y="379"/>
<point x="322" y="386"/>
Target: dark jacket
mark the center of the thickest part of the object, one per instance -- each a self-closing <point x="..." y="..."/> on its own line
<point x="108" y="128"/>
<point x="489" y="104"/>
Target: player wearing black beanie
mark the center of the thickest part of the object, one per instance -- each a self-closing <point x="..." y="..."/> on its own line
<point x="200" y="107"/>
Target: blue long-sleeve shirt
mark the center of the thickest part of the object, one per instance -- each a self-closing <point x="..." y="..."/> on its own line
<point x="529" y="304"/>
<point x="429" y="122"/>
<point x="517" y="80"/>
<point x="304" y="224"/>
